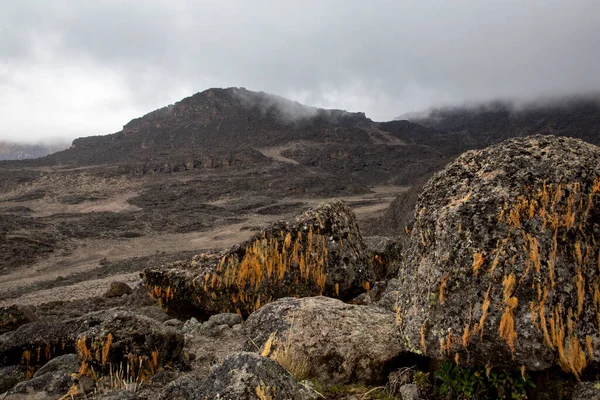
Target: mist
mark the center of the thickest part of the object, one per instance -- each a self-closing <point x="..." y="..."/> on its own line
<point x="71" y="68"/>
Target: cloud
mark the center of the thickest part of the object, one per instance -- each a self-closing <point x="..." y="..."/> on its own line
<point x="71" y="68"/>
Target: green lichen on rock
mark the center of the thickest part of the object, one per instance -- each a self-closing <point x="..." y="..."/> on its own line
<point x="507" y="238"/>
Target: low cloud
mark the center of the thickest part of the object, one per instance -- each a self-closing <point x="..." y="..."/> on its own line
<point x="70" y="68"/>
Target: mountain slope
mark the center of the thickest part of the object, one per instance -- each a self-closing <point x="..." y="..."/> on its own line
<point x="225" y="128"/>
<point x="490" y="123"/>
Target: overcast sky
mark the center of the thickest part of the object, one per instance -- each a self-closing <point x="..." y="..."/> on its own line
<point x="78" y="68"/>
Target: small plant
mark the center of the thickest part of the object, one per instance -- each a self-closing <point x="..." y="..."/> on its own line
<point x="457" y="382"/>
<point x="287" y="356"/>
<point x="421" y="379"/>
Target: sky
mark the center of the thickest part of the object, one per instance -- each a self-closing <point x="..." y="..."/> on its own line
<point x="73" y="68"/>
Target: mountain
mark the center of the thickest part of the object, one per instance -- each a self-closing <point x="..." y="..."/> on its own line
<point x="484" y="124"/>
<point x="20" y="151"/>
<point x="237" y="128"/>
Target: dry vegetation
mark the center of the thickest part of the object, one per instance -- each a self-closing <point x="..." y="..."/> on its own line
<point x="559" y="211"/>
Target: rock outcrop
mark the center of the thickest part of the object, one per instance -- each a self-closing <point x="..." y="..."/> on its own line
<point x="111" y="337"/>
<point x="49" y="382"/>
<point x="337" y="342"/>
<point x="241" y="376"/>
<point x="321" y="252"/>
<point x="502" y="264"/>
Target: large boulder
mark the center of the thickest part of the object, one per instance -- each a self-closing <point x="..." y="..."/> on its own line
<point x="502" y="264"/>
<point x="111" y="337"/>
<point x="333" y="341"/>
<point x="321" y="252"/>
<point x="241" y="376"/>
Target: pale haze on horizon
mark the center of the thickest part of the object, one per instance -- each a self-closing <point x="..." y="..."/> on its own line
<point x="71" y="68"/>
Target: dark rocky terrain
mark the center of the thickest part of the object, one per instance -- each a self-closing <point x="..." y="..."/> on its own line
<point x="193" y="195"/>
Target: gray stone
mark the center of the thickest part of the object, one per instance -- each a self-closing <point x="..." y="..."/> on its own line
<point x="229" y="319"/>
<point x="241" y="376"/>
<point x="409" y="392"/>
<point x="174" y="323"/>
<point x="339" y="342"/>
<point x="504" y="252"/>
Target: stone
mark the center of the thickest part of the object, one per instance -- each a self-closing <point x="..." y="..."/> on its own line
<point x="229" y="319"/>
<point x="50" y="381"/>
<point x="320" y="252"/>
<point x="241" y="376"/>
<point x="337" y="342"/>
<point x="118" y="289"/>
<point x="409" y="391"/>
<point x="174" y="323"/>
<point x="100" y="338"/>
<point x="501" y="265"/>
<point x="10" y="376"/>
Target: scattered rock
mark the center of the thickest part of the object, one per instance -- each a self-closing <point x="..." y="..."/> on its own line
<point x="321" y="252"/>
<point x="118" y="289"/>
<point x="241" y="376"/>
<point x="501" y="267"/>
<point x="229" y="319"/>
<point x="337" y="342"/>
<point x="209" y="344"/>
<point x="14" y="316"/>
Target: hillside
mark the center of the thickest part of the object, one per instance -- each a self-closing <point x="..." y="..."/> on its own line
<point x="488" y="123"/>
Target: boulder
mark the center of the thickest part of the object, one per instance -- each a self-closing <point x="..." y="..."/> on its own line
<point x="51" y="381"/>
<point x="102" y="338"/>
<point x="10" y="376"/>
<point x="14" y="316"/>
<point x="335" y="342"/>
<point x="228" y="319"/>
<point x="502" y="263"/>
<point x="321" y="252"/>
<point x="118" y="289"/>
<point x="241" y="376"/>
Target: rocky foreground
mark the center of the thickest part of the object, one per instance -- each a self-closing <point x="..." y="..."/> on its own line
<point x="493" y="291"/>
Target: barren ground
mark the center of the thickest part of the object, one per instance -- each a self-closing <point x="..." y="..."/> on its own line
<point x="87" y="265"/>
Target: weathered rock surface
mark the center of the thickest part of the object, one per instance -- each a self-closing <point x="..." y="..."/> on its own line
<point x="241" y="376"/>
<point x="384" y="253"/>
<point x="587" y="391"/>
<point x="14" y="316"/>
<point x="101" y="338"/>
<point x="51" y="381"/>
<point x="339" y="342"/>
<point x="10" y="376"/>
<point x="208" y="344"/>
<point x="502" y="264"/>
<point x="118" y="289"/>
<point x="321" y="252"/>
